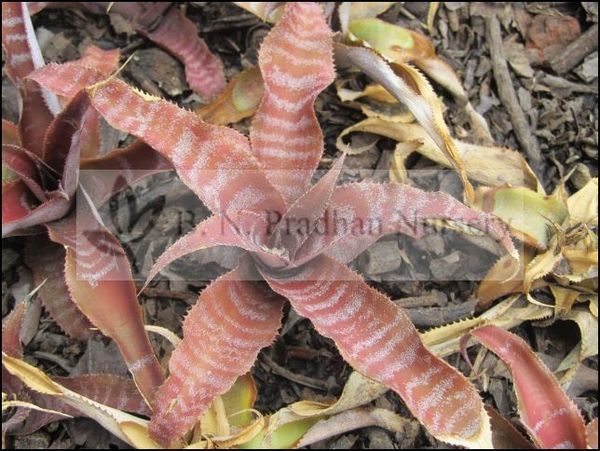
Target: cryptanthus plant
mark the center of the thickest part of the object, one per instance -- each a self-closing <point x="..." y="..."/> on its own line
<point x="262" y="200"/>
<point x="42" y="159"/>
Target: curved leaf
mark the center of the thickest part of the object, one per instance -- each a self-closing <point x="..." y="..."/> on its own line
<point x="99" y="280"/>
<point x="246" y="230"/>
<point x="550" y="416"/>
<point x="378" y="339"/>
<point x="239" y="100"/>
<point x="203" y="70"/>
<point x="296" y="63"/>
<point x="360" y="213"/>
<point x="115" y="421"/>
<point x="47" y="262"/>
<point x="233" y="319"/>
<point x="215" y="162"/>
<point x="489" y="165"/>
<point x="407" y="85"/>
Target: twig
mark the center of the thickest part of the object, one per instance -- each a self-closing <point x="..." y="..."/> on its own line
<point x="298" y="378"/>
<point x="427" y="300"/>
<point x="60" y="361"/>
<point x="169" y="294"/>
<point x="559" y="82"/>
<point x="576" y="51"/>
<point x="508" y="96"/>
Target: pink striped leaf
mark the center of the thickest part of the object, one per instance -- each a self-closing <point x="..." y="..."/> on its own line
<point x="214" y="162"/>
<point x="305" y="212"/>
<point x="179" y="36"/>
<point x="361" y="213"/>
<point x="100" y="282"/>
<point x="17" y="41"/>
<point x="104" y="61"/>
<point x="378" y="339"/>
<point x="296" y="63"/>
<point x="66" y="79"/>
<point x="233" y="319"/>
<point x="69" y="78"/>
<point x="23" y="55"/>
<point x="246" y="230"/>
<point x="47" y="261"/>
<point x="550" y="417"/>
<point x="173" y="31"/>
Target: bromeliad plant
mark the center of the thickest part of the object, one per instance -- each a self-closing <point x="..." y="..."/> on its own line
<point x="41" y="161"/>
<point x="261" y="195"/>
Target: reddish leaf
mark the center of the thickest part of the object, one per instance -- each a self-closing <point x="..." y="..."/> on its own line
<point x="549" y="415"/>
<point x="142" y="14"/>
<point x="296" y="64"/>
<point x="22" y="56"/>
<point x="378" y="339"/>
<point x="305" y="212"/>
<point x="16" y="40"/>
<point x="24" y="165"/>
<point x="233" y="319"/>
<point x="21" y="214"/>
<point x="104" y="61"/>
<point x="11" y="345"/>
<point x="361" y="213"/>
<point x="10" y="133"/>
<point x="66" y="79"/>
<point x="35" y="117"/>
<point x="99" y="279"/>
<point x="47" y="261"/>
<point x="62" y="146"/>
<point x="36" y="7"/>
<point x="114" y="391"/>
<point x="504" y="434"/>
<point x="21" y="209"/>
<point x="109" y="389"/>
<point x="592" y="434"/>
<point x="215" y="162"/>
<point x="11" y="330"/>
<point x="203" y="70"/>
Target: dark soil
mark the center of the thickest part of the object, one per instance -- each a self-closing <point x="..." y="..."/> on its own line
<point x="562" y="115"/>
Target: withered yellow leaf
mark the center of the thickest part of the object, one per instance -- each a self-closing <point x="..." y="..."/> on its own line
<point x="489" y="165"/>
<point x="583" y="205"/>
<point x="530" y="216"/>
<point x="239" y="100"/>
